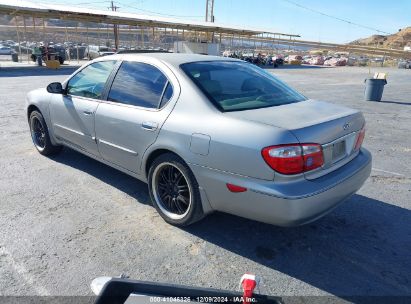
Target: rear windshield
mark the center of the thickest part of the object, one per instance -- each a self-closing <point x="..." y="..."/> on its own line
<point x="236" y="86"/>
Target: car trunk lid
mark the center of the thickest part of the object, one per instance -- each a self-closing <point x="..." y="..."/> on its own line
<point x="334" y="127"/>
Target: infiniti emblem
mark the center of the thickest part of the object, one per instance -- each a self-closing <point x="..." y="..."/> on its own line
<point x="346" y="126"/>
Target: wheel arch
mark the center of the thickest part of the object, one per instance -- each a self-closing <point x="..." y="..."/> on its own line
<point x="32" y="108"/>
<point x="153" y="155"/>
<point x="35" y="103"/>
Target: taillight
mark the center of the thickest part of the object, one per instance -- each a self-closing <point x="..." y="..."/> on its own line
<point x="313" y="156"/>
<point x="294" y="158"/>
<point x="360" y="139"/>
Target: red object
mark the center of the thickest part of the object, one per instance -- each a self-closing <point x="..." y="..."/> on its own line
<point x="235" y="188"/>
<point x="360" y="139"/>
<point x="293" y="158"/>
<point x="248" y="283"/>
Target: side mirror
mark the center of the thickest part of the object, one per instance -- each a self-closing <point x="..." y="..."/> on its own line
<point x="55" y="88"/>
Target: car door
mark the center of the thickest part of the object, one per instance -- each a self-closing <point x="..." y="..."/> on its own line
<point x="131" y="117"/>
<point x="72" y="114"/>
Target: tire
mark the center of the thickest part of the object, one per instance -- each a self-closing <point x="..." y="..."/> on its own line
<point x="40" y="135"/>
<point x="61" y="60"/>
<point x="174" y="191"/>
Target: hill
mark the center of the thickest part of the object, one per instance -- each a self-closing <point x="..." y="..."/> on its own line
<point x="398" y="40"/>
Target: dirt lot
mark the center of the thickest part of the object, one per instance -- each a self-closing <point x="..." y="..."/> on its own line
<point x="69" y="219"/>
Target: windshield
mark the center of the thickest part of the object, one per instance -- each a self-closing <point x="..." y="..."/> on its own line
<point x="236" y="86"/>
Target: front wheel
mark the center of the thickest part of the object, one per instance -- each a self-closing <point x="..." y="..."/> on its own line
<point x="174" y="191"/>
<point x="40" y="135"/>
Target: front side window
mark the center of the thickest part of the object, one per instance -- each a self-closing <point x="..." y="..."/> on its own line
<point x="90" y="81"/>
<point x="139" y="84"/>
<point x="236" y="86"/>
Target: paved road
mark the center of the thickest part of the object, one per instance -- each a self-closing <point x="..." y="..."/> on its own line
<point x="69" y="219"/>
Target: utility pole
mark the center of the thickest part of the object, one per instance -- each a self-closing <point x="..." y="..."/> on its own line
<point x="116" y="41"/>
<point x="209" y="17"/>
<point x="209" y="11"/>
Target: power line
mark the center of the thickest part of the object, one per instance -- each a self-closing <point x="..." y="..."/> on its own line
<point x="87" y="4"/>
<point x="76" y="4"/>
<point x="334" y="17"/>
<point x="156" y="13"/>
<point x="90" y="3"/>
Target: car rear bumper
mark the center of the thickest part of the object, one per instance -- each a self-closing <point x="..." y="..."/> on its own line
<point x="284" y="204"/>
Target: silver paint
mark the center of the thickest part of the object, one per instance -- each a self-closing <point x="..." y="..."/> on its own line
<point x="228" y="149"/>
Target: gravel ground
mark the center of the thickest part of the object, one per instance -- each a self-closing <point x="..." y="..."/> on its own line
<point x="68" y="219"/>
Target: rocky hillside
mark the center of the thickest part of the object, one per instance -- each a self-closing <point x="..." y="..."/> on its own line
<point x="398" y="40"/>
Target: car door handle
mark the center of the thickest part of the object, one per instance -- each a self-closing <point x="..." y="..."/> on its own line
<point x="88" y="112"/>
<point x="149" y="125"/>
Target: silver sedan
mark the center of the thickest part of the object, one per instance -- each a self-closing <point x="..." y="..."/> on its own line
<point x="207" y="134"/>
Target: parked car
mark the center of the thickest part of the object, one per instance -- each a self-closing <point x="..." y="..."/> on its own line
<point x="60" y="52"/>
<point x="74" y="51"/>
<point x="52" y="51"/>
<point x="5" y="50"/>
<point x="95" y="51"/>
<point x="251" y="146"/>
<point x="404" y="64"/>
<point x="295" y="60"/>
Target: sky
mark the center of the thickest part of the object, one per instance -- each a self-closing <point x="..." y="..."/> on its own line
<point x="304" y="17"/>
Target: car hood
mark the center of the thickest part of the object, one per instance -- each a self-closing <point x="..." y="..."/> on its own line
<point x="310" y="120"/>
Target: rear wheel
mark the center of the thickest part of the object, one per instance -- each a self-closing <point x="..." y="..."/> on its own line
<point x="174" y="191"/>
<point x="40" y="135"/>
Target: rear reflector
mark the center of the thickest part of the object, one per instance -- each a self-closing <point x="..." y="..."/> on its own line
<point x="294" y="158"/>
<point x="235" y="188"/>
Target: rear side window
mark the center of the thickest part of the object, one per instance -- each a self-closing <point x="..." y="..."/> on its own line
<point x="139" y="84"/>
<point x="90" y="81"/>
<point x="236" y="86"/>
<point x="168" y="93"/>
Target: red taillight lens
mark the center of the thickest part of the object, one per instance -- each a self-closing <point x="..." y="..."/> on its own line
<point x="293" y="159"/>
<point x="286" y="159"/>
<point x="360" y="139"/>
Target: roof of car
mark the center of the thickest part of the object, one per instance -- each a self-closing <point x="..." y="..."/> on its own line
<point x="174" y="59"/>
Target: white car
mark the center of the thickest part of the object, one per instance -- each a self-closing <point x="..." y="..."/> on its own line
<point x="95" y="51"/>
